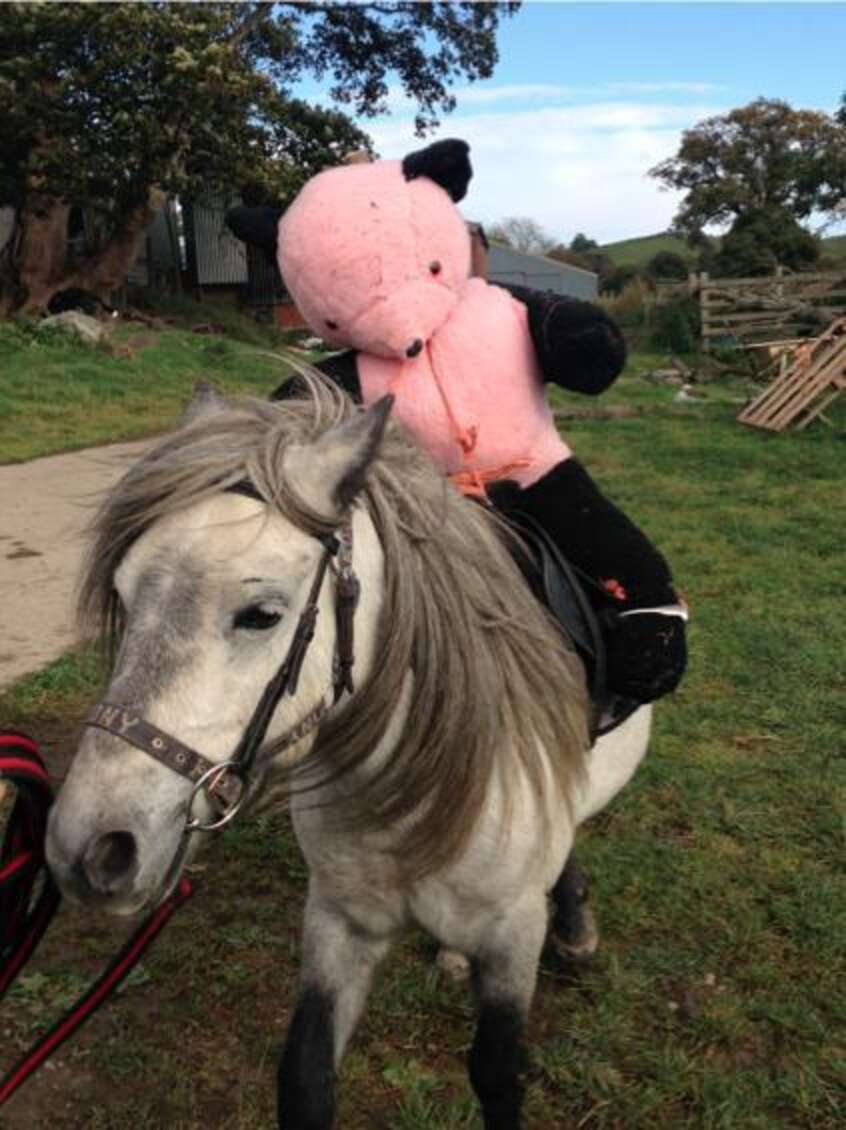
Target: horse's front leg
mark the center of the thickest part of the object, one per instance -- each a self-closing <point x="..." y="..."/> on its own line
<point x="504" y="975"/>
<point x="338" y="963"/>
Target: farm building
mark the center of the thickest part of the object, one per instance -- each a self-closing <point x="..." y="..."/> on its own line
<point x="216" y="260"/>
<point x="507" y="266"/>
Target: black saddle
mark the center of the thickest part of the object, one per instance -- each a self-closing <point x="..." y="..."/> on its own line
<point x="584" y="618"/>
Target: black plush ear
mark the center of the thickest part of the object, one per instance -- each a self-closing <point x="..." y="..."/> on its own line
<point x="446" y="162"/>
<point x="257" y="226"/>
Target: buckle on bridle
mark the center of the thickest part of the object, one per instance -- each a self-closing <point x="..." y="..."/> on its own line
<point x="225" y="790"/>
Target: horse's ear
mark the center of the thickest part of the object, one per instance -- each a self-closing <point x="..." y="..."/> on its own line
<point x="205" y="401"/>
<point x="329" y="473"/>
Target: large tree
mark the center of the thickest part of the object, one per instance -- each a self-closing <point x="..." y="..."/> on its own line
<point x="115" y="106"/>
<point x="765" y="167"/>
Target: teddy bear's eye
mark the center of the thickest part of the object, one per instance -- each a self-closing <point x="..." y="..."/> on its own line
<point x="434" y="267"/>
<point x="331" y="325"/>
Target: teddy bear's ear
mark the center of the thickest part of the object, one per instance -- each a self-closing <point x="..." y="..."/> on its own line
<point x="446" y="162"/>
<point x="258" y="226"/>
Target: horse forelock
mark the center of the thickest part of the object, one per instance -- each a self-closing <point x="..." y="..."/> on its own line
<point x="496" y="689"/>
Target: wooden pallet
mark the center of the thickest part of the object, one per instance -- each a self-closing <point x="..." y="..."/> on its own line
<point x="813" y="381"/>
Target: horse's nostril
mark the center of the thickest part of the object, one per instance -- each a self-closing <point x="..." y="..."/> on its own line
<point x="111" y="862"/>
<point x="415" y="348"/>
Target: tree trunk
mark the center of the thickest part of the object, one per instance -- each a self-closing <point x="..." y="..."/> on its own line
<point x="105" y="271"/>
<point x="43" y="248"/>
<point x="43" y="251"/>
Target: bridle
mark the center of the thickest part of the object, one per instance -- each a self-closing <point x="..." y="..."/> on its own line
<point x="226" y="783"/>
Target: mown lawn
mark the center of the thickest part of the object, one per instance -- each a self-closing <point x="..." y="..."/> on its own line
<point x="717" y="999"/>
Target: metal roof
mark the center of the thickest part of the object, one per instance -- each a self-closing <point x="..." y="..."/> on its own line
<point x="506" y="265"/>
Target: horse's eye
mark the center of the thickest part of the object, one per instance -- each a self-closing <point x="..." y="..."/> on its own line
<point x="256" y="619"/>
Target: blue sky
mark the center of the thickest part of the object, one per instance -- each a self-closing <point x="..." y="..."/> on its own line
<point x="587" y="97"/>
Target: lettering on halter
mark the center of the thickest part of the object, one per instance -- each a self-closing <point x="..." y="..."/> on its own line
<point x="116" y="719"/>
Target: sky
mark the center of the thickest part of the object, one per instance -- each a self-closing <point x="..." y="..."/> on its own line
<point x="587" y="97"/>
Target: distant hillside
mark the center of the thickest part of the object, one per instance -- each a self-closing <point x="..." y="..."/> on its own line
<point x="639" y="251"/>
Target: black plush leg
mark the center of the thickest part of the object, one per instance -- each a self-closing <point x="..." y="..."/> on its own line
<point x="498" y="1063"/>
<point x="574" y="931"/>
<point x="504" y="975"/>
<point x="307" y="1071"/>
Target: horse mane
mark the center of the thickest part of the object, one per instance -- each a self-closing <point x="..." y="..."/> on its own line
<point x="494" y="683"/>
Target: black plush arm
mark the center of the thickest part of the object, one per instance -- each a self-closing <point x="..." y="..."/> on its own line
<point x="578" y="346"/>
<point x="339" y="367"/>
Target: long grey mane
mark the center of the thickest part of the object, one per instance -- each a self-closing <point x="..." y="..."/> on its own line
<point x="494" y="683"/>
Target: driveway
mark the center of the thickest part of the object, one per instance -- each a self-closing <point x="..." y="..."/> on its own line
<point x="44" y="507"/>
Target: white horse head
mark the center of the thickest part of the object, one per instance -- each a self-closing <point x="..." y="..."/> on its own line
<point x="209" y="595"/>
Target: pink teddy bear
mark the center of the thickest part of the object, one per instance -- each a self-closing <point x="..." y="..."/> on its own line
<point x="377" y="258"/>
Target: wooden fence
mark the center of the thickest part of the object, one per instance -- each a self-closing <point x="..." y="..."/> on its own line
<point x="781" y="306"/>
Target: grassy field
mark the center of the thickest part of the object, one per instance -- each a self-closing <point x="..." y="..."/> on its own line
<point x="639" y="251"/>
<point x="717" y="999"/>
<point x="58" y="393"/>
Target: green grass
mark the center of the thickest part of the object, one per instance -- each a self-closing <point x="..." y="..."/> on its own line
<point x="60" y="394"/>
<point x="639" y="250"/>
<point x="835" y="247"/>
<point x="717" y="1000"/>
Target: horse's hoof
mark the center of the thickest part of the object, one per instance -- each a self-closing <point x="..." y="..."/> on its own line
<point x="454" y="964"/>
<point x="580" y="941"/>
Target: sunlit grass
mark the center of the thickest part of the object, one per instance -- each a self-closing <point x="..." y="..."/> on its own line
<point x="717" y="999"/>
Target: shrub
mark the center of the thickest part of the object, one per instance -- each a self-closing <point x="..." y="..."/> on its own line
<point x="618" y="279"/>
<point x="676" y="325"/>
<point x="667" y="265"/>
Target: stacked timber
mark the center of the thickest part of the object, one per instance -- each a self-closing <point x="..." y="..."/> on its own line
<point x="814" y="379"/>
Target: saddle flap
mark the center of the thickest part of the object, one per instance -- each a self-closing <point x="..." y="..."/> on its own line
<point x="556" y="584"/>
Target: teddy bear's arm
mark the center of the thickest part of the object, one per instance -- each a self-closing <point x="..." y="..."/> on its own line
<point x="578" y="346"/>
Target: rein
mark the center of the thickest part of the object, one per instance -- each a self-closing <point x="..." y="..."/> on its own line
<point x="226" y="783"/>
<point x="23" y="918"/>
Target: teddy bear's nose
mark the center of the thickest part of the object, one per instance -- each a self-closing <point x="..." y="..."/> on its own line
<point x="415" y="348"/>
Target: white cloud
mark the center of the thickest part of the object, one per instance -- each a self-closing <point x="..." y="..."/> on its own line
<point x="486" y="94"/>
<point x="580" y="167"/>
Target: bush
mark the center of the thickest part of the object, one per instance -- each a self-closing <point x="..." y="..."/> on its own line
<point x="618" y="279"/>
<point x="630" y="310"/>
<point x="667" y="265"/>
<point x="676" y="325"/>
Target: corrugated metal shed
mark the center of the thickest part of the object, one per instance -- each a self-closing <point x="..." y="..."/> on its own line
<point x="505" y="265"/>
<point x="219" y="258"/>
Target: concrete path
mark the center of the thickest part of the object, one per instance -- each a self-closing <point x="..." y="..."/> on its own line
<point x="44" y="506"/>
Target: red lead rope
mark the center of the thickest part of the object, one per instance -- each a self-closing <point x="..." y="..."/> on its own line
<point x="22" y="925"/>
